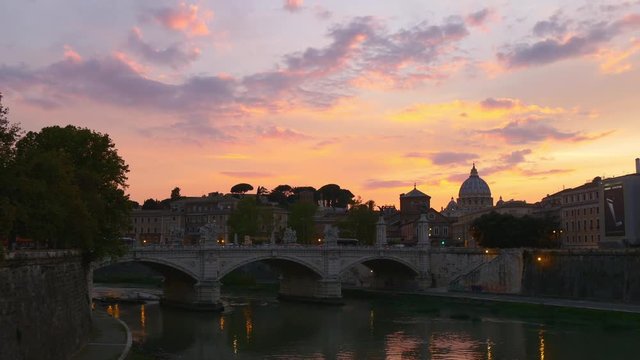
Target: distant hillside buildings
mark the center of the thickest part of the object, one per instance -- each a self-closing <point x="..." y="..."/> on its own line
<point x="603" y="213"/>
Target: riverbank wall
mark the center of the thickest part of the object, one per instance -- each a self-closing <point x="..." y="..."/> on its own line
<point x="600" y="275"/>
<point x="44" y="306"/>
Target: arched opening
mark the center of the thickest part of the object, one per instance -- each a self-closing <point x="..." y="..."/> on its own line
<point x="381" y="274"/>
<point x="295" y="280"/>
<point x="145" y="278"/>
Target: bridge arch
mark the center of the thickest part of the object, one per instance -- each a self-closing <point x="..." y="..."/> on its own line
<point x="156" y="263"/>
<point x="368" y="260"/>
<point x="312" y="268"/>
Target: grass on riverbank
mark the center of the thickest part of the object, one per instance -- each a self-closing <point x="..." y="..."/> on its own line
<point x="475" y="310"/>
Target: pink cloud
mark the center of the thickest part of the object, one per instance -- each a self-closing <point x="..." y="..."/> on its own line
<point x="479" y="18"/>
<point x="176" y="55"/>
<point x="188" y="19"/>
<point x="293" y="5"/>
<point x="586" y="41"/>
<point x="280" y="133"/>
<point x="384" y="184"/>
<point x="536" y="130"/>
<point x="71" y="55"/>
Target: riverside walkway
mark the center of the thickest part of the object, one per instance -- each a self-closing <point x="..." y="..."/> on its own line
<point x="545" y="301"/>
<point x="110" y="339"/>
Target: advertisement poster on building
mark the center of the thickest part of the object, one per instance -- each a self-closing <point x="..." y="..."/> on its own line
<point x="614" y="210"/>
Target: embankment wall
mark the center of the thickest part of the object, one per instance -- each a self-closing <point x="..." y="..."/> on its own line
<point x="44" y="306"/>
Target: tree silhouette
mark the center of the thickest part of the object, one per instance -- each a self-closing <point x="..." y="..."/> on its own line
<point x="241" y="188"/>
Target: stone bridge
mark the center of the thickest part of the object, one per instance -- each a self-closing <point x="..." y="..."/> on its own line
<point x="193" y="274"/>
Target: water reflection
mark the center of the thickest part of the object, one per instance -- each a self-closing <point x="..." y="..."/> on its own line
<point x="489" y="351"/>
<point x="263" y="328"/>
<point x="541" y="347"/>
<point x="114" y="310"/>
<point x="248" y="324"/>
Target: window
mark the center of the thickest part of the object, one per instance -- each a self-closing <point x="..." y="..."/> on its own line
<point x="591" y="225"/>
<point x="436" y="230"/>
<point x="445" y="230"/>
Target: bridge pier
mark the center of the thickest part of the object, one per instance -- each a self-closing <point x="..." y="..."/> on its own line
<point x="201" y="296"/>
<point x="326" y="291"/>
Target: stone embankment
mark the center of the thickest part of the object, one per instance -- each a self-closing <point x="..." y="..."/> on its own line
<point x="44" y="306"/>
<point x="600" y="275"/>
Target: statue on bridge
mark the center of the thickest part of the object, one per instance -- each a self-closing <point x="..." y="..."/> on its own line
<point x="208" y="234"/>
<point x="290" y="236"/>
<point x="176" y="235"/>
<point x="330" y="235"/>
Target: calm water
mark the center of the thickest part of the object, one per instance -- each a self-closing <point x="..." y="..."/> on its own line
<point x="257" y="326"/>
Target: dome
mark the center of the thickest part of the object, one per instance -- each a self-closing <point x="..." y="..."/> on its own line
<point x="452" y="205"/>
<point x="474" y="186"/>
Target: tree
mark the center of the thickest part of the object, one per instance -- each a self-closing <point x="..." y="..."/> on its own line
<point x="241" y="188"/>
<point x="507" y="231"/>
<point x="329" y="194"/>
<point x="9" y="134"/>
<point x="360" y="223"/>
<point x="280" y="194"/>
<point x="333" y="196"/>
<point x="68" y="189"/>
<point x="301" y="220"/>
<point x="244" y="219"/>
<point x="175" y="193"/>
<point x="151" y="204"/>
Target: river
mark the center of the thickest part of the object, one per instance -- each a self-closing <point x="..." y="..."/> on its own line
<point x="255" y="325"/>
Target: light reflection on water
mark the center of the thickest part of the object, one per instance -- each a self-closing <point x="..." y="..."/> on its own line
<point x="263" y="328"/>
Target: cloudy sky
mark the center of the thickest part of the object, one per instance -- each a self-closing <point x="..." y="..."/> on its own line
<point x="371" y="95"/>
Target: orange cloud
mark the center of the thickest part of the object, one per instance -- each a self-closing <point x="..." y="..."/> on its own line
<point x="186" y="18"/>
<point x="617" y="62"/>
<point x="488" y="109"/>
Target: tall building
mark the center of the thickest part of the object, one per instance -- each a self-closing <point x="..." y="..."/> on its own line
<point x="402" y="225"/>
<point x="580" y="215"/>
<point x="620" y="210"/>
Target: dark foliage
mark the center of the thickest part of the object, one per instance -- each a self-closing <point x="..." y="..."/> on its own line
<point x="507" y="231"/>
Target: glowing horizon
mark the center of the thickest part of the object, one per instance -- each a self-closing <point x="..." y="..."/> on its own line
<point x="370" y="95"/>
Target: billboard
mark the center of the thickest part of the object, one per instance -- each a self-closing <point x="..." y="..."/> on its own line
<point x="614" y="210"/>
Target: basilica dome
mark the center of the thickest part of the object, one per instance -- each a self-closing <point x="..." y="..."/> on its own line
<point x="474" y="186"/>
<point x="474" y="193"/>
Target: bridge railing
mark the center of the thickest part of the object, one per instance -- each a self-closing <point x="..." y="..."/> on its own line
<point x="314" y="248"/>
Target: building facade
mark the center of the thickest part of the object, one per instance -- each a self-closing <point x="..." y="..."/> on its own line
<point x="620" y="211"/>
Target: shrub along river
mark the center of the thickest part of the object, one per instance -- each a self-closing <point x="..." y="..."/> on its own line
<point x="255" y="325"/>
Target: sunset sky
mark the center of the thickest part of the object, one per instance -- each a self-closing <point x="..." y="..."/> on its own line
<point x="370" y="95"/>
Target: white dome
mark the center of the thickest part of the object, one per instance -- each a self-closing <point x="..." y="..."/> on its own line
<point x="474" y="186"/>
